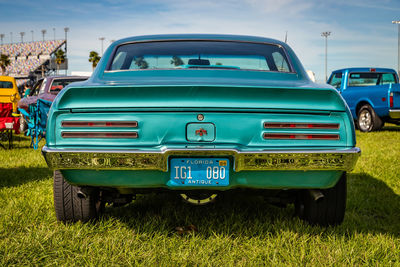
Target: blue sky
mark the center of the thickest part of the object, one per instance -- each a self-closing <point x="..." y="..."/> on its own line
<point x="362" y="32"/>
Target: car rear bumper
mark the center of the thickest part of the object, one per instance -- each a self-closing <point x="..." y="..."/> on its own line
<point x="242" y="160"/>
<point x="394" y="113"/>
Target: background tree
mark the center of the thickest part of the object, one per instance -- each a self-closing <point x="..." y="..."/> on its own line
<point x="176" y="61"/>
<point x="60" y="58"/>
<point x="141" y="63"/>
<point x="4" y="63"/>
<point x="94" y="58"/>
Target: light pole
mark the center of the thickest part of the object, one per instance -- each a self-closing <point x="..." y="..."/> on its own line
<point x="66" y="29"/>
<point x="102" y="40"/>
<point x="398" y="45"/>
<point x="326" y="34"/>
<point x="11" y="37"/>
<point x="1" y="37"/>
<point x="22" y="36"/>
<point x="43" y="33"/>
<point x="54" y="34"/>
<point x="32" y="35"/>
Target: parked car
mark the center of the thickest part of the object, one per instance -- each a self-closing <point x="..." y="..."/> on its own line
<point x="198" y="115"/>
<point x="9" y="91"/>
<point x="47" y="89"/>
<point x="372" y="94"/>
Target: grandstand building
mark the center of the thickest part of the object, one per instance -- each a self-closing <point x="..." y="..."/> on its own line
<point x="32" y="59"/>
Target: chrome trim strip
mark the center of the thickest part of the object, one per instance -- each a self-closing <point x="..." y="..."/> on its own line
<point x="394" y="113"/>
<point x="262" y="160"/>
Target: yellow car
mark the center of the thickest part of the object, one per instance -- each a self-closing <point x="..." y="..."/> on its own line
<point x="9" y="91"/>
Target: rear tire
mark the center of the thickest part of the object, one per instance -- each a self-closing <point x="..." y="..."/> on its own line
<point x="69" y="207"/>
<point x="329" y="210"/>
<point x="368" y="120"/>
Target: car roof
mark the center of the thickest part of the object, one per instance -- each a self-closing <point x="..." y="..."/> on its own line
<point x="67" y="77"/>
<point x="222" y="37"/>
<point x="364" y="69"/>
<point x="7" y="78"/>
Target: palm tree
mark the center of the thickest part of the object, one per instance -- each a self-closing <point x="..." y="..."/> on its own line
<point x="94" y="58"/>
<point x="141" y="63"/>
<point x="60" y="58"/>
<point x="177" y="61"/>
<point x="4" y="63"/>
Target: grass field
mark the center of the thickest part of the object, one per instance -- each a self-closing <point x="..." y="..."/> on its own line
<point x="241" y="230"/>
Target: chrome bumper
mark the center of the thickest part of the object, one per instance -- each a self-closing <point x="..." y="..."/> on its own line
<point x="263" y="160"/>
<point x="394" y="113"/>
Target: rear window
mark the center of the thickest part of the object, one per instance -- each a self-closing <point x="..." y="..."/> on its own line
<point x="6" y="85"/>
<point x="371" y="78"/>
<point x="200" y="55"/>
<point x="59" y="84"/>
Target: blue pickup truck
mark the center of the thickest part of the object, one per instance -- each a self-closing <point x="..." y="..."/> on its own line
<point x="372" y="94"/>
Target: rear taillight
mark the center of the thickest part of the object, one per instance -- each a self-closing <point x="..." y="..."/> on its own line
<point x="114" y="126"/>
<point x="133" y="135"/>
<point x="314" y="131"/>
<point x="280" y="125"/>
<point x="301" y="136"/>
<point x="99" y="124"/>
<point x="391" y="99"/>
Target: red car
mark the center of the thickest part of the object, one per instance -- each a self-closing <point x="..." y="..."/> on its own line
<point x="47" y="89"/>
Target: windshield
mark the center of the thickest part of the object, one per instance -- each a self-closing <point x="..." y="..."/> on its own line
<point x="42" y="88"/>
<point x="36" y="87"/>
<point x="200" y="55"/>
<point x="59" y="84"/>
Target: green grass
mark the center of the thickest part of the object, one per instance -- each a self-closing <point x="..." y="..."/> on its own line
<point x="239" y="230"/>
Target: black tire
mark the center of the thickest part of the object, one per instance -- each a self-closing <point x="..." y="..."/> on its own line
<point x="329" y="210"/>
<point x="368" y="120"/>
<point x="69" y="207"/>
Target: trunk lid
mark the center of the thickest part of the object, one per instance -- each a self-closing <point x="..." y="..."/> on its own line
<point x="184" y="97"/>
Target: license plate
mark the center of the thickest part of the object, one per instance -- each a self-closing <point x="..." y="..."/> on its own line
<point x="199" y="172"/>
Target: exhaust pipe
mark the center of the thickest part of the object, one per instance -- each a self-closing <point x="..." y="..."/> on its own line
<point x="316" y="195"/>
<point x="81" y="194"/>
<point x="84" y="192"/>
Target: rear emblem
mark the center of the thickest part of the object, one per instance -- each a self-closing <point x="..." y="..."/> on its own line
<point x="201" y="132"/>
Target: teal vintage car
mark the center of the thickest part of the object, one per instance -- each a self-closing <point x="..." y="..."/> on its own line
<point x="198" y="115"/>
